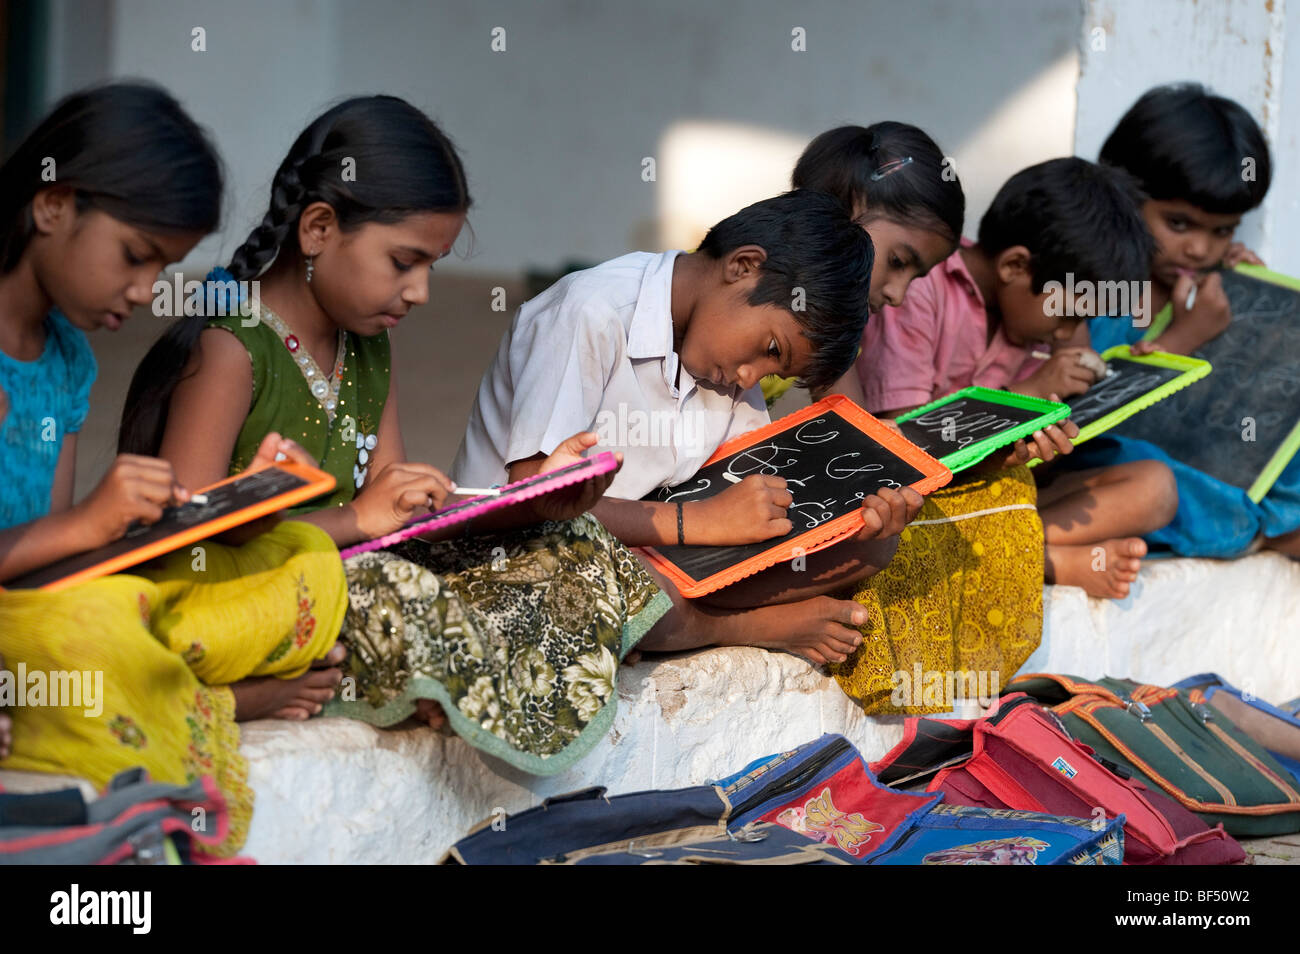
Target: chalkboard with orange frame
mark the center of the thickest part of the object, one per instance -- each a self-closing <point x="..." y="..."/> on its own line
<point x="832" y="455"/>
<point x="229" y="503"/>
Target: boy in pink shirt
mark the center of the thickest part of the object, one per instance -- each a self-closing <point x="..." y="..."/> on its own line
<point x="985" y="317"/>
<point x="937" y="342"/>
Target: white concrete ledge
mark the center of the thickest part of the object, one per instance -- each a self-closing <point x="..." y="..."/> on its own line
<point x="335" y="791"/>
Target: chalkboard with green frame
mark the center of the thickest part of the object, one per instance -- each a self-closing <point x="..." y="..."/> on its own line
<point x="1133" y="383"/>
<point x="964" y="428"/>
<point x="1242" y="427"/>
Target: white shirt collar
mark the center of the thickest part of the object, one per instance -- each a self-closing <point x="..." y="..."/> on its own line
<point x="650" y="332"/>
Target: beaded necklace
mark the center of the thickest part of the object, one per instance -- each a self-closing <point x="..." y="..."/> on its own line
<point x="324" y="388"/>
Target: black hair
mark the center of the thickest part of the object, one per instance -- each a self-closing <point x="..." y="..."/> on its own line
<point x="1073" y="216"/>
<point x="372" y="159"/>
<point x="402" y="163"/>
<point x="890" y="170"/>
<point x="817" y="255"/>
<point x="1180" y="142"/>
<point x="127" y="149"/>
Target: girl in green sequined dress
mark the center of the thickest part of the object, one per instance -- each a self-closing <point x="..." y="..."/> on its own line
<point x="513" y="634"/>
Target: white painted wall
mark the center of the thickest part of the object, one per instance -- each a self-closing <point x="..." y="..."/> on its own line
<point x="554" y="129"/>
<point x="1237" y="48"/>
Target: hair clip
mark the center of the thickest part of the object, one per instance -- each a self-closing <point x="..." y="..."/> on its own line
<point x="893" y="165"/>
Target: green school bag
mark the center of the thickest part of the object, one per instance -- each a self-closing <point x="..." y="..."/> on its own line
<point x="1173" y="742"/>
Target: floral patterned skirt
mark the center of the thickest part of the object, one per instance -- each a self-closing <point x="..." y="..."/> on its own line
<point x="519" y="636"/>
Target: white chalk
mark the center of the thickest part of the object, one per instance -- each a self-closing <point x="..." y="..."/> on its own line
<point x="1092" y="361"/>
<point x="479" y="491"/>
<point x="199" y="499"/>
<point x="731" y="477"/>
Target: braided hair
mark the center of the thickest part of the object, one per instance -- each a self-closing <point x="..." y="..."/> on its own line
<point x="400" y="162"/>
<point x="403" y="163"/>
<point x="890" y="170"/>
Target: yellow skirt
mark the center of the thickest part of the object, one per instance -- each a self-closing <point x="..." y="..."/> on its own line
<point x="152" y="650"/>
<point x="960" y="607"/>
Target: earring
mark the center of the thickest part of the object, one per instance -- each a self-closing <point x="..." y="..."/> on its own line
<point x="311" y="267"/>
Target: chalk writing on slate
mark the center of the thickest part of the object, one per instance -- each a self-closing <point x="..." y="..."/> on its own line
<point x="222" y="500"/>
<point x="1256" y="376"/>
<point x="960" y="423"/>
<point x="1127" y="382"/>
<point x="829" y="466"/>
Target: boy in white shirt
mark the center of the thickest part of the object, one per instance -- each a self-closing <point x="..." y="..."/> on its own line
<point x="661" y="356"/>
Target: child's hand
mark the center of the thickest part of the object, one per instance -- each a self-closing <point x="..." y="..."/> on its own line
<point x="400" y="491"/>
<point x="1069" y="371"/>
<point x="887" y="512"/>
<point x="1238" y="253"/>
<point x="1045" y="445"/>
<point x="135" y="488"/>
<point x="1208" y="317"/>
<point x="272" y="445"/>
<point x="573" y="501"/>
<point x="748" y="512"/>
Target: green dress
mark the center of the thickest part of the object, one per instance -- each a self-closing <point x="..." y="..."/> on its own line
<point x="282" y="402"/>
<point x="518" y="635"/>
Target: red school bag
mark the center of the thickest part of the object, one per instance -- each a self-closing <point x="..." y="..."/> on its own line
<point x="1021" y="758"/>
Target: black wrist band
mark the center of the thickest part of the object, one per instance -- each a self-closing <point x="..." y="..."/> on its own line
<point x="681" y="537"/>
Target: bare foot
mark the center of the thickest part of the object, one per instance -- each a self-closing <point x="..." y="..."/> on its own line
<point x="1105" y="569"/>
<point x="293" y="699"/>
<point x="6" y="723"/>
<point x="429" y="711"/>
<point x="821" y="629"/>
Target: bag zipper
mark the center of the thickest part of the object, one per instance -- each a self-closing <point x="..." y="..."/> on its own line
<point x="809" y="769"/>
